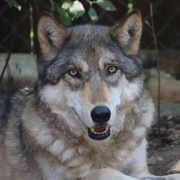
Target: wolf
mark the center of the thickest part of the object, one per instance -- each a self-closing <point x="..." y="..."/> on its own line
<point x="89" y="112"/>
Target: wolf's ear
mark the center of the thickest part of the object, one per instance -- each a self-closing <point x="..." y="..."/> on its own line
<point x="51" y="36"/>
<point x="128" y="32"/>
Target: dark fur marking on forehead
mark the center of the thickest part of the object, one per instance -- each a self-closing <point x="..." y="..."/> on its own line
<point x="89" y="35"/>
<point x="54" y="72"/>
<point x="55" y="68"/>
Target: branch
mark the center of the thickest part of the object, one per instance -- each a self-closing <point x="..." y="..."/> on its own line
<point x="5" y="66"/>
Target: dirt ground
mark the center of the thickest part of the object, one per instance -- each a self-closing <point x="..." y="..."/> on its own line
<point x="164" y="147"/>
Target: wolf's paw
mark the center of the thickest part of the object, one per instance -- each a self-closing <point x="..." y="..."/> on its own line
<point x="167" y="177"/>
<point x="175" y="169"/>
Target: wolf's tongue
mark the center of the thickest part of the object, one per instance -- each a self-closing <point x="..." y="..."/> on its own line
<point x="99" y="129"/>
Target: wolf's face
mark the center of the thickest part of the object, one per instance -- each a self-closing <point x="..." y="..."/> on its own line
<point x="90" y="74"/>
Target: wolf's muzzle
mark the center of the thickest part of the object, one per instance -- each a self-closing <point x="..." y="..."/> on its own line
<point x="100" y="115"/>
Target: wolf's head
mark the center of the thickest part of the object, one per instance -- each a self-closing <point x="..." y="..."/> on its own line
<point x="90" y="75"/>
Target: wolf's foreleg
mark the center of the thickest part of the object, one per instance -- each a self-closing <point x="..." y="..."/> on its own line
<point x="108" y="173"/>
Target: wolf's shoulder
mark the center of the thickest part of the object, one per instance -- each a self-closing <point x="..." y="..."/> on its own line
<point x="11" y="104"/>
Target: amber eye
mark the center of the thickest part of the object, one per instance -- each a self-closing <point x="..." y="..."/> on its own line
<point x="73" y="72"/>
<point x="112" y="69"/>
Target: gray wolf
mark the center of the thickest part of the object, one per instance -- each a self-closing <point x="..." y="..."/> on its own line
<point x="88" y="115"/>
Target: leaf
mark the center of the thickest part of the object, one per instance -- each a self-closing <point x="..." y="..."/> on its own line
<point x="77" y="9"/>
<point x="106" y="4"/>
<point x="13" y="3"/>
<point x="130" y="7"/>
<point x="92" y="14"/>
<point x="53" y="5"/>
<point x="31" y="34"/>
<point x="64" y="17"/>
<point x="67" y="4"/>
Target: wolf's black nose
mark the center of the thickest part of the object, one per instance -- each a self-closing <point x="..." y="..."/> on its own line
<point x="100" y="114"/>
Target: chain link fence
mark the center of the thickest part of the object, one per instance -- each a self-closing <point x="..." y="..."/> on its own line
<point x="17" y="25"/>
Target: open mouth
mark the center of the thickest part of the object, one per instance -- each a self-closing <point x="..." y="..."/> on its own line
<point x="99" y="132"/>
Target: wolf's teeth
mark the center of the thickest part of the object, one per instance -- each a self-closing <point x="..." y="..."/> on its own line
<point x="99" y="133"/>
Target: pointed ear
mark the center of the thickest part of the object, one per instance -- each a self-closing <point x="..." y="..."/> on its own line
<point x="128" y="33"/>
<point x="51" y="36"/>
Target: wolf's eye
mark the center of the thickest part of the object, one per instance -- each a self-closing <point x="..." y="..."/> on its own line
<point x="73" y="73"/>
<point x="112" y="70"/>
